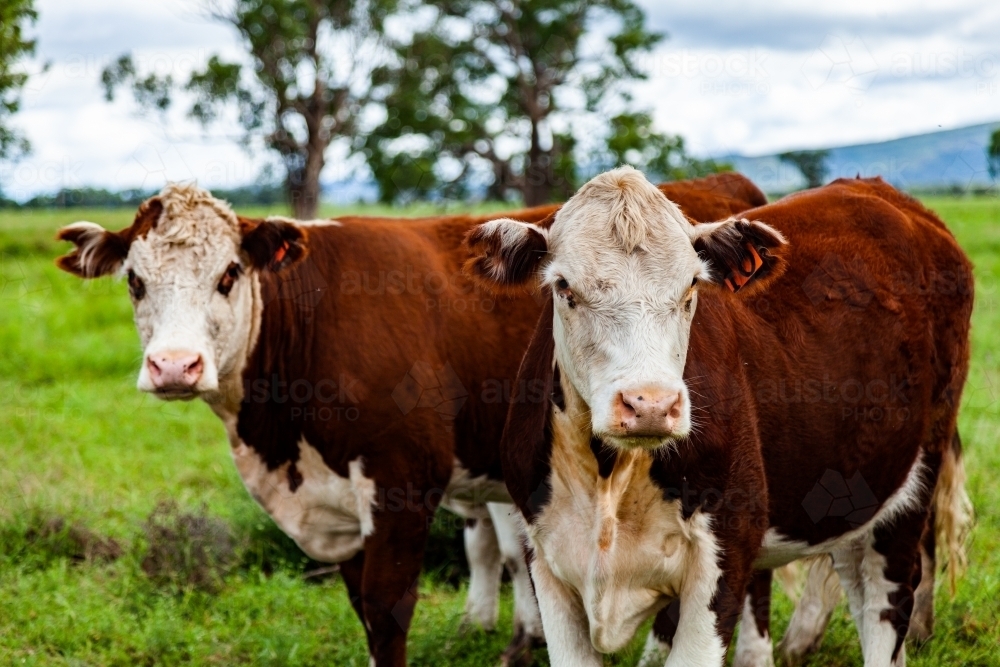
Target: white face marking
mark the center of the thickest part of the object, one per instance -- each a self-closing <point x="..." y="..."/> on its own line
<point x="180" y="264"/>
<point x="622" y="266"/>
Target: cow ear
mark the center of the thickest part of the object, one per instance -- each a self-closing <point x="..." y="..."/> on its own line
<point x="98" y="252"/>
<point x="272" y="244"/>
<point x="743" y="255"/>
<point x="505" y="253"/>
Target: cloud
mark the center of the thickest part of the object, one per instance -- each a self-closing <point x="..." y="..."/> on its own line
<point x="795" y="26"/>
<point x="733" y="77"/>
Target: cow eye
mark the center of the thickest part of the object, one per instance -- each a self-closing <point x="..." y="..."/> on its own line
<point x="136" y="287"/>
<point x="694" y="281"/>
<point x="563" y="290"/>
<point x="229" y="279"/>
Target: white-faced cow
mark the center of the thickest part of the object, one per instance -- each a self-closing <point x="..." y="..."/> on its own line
<point x="725" y="397"/>
<point x="361" y="377"/>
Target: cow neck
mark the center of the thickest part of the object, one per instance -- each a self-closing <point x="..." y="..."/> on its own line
<point x="577" y="451"/>
<point x="282" y="356"/>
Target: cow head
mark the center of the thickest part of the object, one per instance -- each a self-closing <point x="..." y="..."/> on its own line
<point x="624" y="267"/>
<point x="190" y="264"/>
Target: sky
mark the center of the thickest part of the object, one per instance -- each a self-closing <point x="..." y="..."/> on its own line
<point x="733" y="76"/>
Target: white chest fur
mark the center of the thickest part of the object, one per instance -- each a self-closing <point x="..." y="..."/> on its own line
<point x="327" y="515"/>
<point x="623" y="549"/>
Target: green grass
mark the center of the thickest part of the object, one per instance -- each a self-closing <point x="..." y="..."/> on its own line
<point x="78" y="442"/>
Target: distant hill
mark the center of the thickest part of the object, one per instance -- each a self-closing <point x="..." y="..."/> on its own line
<point x="937" y="160"/>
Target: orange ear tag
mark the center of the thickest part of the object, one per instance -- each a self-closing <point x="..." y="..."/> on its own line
<point x="279" y="254"/>
<point x="741" y="275"/>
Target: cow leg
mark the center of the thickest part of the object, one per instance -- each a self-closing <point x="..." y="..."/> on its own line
<point x="527" y="621"/>
<point x="878" y="573"/>
<point x="847" y="563"/>
<point x="564" y="620"/>
<point x="709" y="609"/>
<point x="352" y="572"/>
<point x="922" y="622"/>
<point x="485" y="567"/>
<point x="393" y="556"/>
<point x="812" y="613"/>
<point x="753" y="646"/>
<point x="661" y="636"/>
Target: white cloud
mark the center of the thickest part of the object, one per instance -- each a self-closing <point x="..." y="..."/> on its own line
<point x="745" y="77"/>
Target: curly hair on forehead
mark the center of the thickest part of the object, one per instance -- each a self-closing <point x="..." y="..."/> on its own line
<point x="181" y="200"/>
<point x="634" y="207"/>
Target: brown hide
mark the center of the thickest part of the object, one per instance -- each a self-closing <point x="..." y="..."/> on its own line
<point x="846" y="365"/>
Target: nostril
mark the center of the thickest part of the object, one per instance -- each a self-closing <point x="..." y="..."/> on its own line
<point x="154" y="368"/>
<point x="626" y="407"/>
<point x="676" y="409"/>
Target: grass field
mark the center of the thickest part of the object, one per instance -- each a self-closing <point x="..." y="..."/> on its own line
<point x="85" y="460"/>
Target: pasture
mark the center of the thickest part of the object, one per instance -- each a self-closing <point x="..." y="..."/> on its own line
<point x="96" y="478"/>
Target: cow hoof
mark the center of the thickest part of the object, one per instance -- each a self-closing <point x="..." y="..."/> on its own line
<point x="470" y="627"/>
<point x="519" y="652"/>
<point x="920" y="629"/>
<point x="922" y="620"/>
<point x="795" y="656"/>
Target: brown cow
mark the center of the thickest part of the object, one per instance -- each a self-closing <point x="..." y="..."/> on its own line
<point x="363" y="380"/>
<point x="721" y="400"/>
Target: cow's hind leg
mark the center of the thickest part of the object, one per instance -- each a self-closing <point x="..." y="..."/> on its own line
<point x="661" y="636"/>
<point x="527" y="621"/>
<point x="812" y="612"/>
<point x="888" y="569"/>
<point x="753" y="646"/>
<point x="922" y="622"/>
<point x="485" y="568"/>
<point x="879" y="580"/>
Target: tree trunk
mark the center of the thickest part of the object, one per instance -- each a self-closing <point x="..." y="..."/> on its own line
<point x="303" y="184"/>
<point x="537" y="172"/>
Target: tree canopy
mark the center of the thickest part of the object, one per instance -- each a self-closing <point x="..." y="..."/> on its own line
<point x="520" y="97"/>
<point x="811" y="164"/>
<point x="307" y="84"/>
<point x="993" y="155"/>
<point x="15" y="16"/>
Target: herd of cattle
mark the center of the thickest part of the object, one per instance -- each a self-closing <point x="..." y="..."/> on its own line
<point x="642" y="402"/>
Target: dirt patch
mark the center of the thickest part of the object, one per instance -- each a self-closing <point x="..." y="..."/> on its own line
<point x="188" y="550"/>
<point x="73" y="540"/>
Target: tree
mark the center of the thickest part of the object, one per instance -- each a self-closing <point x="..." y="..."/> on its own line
<point x="507" y="95"/>
<point x="15" y="16"/>
<point x="308" y="84"/>
<point x="993" y="155"/>
<point x="812" y="165"/>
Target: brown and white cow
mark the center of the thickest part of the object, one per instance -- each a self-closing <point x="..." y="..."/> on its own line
<point x="698" y="429"/>
<point x="361" y="377"/>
